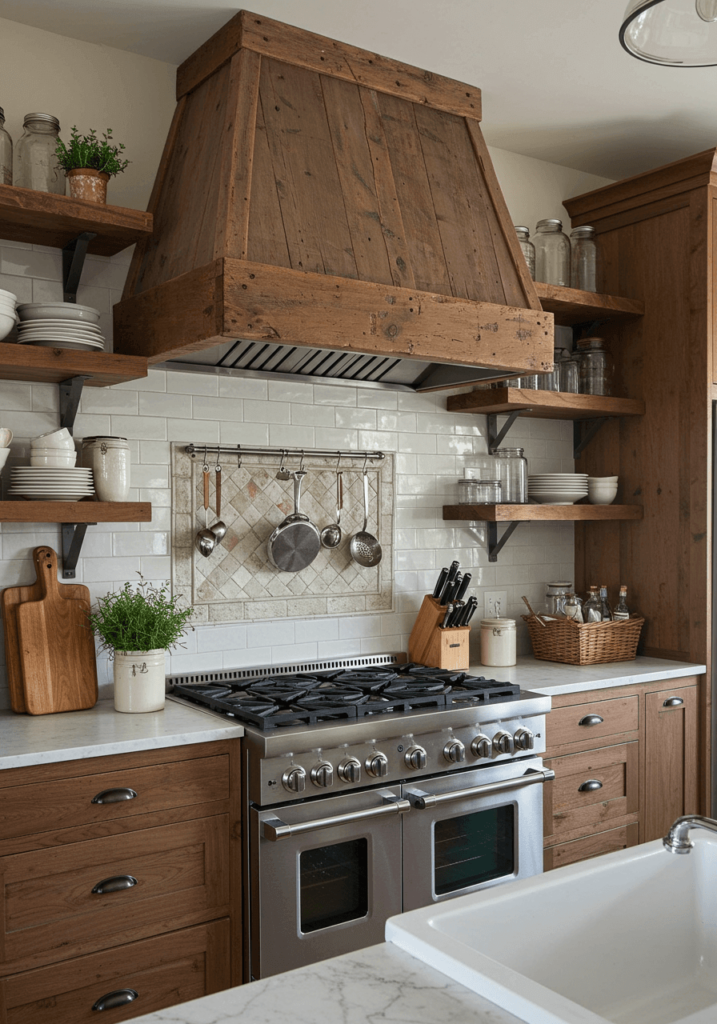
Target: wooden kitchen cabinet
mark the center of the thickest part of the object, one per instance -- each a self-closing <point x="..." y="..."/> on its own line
<point x="670" y="759"/>
<point x="163" y="847"/>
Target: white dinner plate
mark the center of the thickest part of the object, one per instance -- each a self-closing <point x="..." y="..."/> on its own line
<point x="79" y="325"/>
<point x="85" y="346"/>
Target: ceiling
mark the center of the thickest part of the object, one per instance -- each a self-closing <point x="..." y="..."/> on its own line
<point x="556" y="83"/>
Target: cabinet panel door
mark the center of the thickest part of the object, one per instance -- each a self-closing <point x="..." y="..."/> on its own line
<point x="670" y="759"/>
<point x="591" y="846"/>
<point x="162" y="972"/>
<point x="591" y="789"/>
<point x="175" y="876"/>
<point x="596" y="719"/>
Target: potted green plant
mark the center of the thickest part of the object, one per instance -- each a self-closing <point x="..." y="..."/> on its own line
<point x="138" y="625"/>
<point x="89" y="163"/>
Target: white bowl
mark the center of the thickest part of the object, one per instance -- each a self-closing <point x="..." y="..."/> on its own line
<point x="61" y="438"/>
<point x="601" y="499"/>
<point x="604" y="480"/>
<point x="7" y="322"/>
<point x="59" y="310"/>
<point x="7" y="296"/>
<point x="4" y="452"/>
<point x="5" y="437"/>
<point x="558" y="497"/>
<point x="54" y="460"/>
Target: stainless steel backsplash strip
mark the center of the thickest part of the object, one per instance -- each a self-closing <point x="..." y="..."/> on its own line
<point x="239" y="675"/>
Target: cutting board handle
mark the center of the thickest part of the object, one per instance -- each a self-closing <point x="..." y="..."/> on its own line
<point x="46" y="568"/>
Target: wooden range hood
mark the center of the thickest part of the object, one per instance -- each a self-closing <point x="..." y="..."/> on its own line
<point x="324" y="212"/>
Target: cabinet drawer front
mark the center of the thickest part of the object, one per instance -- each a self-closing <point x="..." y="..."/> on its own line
<point x="592" y="788"/>
<point x="590" y="846"/>
<point x="164" y="971"/>
<point x="45" y="806"/>
<point x="180" y="876"/>
<point x="586" y="722"/>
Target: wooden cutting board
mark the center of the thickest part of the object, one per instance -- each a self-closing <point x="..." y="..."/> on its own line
<point x="55" y="643"/>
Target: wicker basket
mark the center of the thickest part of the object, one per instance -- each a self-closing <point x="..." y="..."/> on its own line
<point x="587" y="643"/>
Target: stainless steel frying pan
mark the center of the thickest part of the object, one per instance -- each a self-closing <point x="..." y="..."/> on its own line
<point x="296" y="542"/>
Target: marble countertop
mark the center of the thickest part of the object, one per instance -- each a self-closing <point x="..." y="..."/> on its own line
<point x="46" y="739"/>
<point x="381" y="983"/>
<point x="552" y="678"/>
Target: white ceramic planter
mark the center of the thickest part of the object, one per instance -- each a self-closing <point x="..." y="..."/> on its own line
<point x="139" y="681"/>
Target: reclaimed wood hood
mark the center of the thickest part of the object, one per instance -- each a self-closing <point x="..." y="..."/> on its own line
<point x="324" y="212"/>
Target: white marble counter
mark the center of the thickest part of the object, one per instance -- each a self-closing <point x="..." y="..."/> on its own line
<point x="45" y="739"/>
<point x="553" y="678"/>
<point x="381" y="983"/>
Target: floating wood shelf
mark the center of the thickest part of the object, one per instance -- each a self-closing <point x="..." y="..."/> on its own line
<point x="75" y="511"/>
<point x="571" y="306"/>
<point x="55" y="365"/>
<point x="44" y="219"/>
<point x="530" y="513"/>
<point x="551" y="405"/>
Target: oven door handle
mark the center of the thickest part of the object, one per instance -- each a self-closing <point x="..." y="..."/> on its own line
<point x="423" y="801"/>
<point x="274" y="829"/>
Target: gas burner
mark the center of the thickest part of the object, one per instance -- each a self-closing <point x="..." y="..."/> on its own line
<point x="371" y="680"/>
<point x="286" y="690"/>
<point x="328" y="696"/>
<point x="242" y="702"/>
<point x="414" y="687"/>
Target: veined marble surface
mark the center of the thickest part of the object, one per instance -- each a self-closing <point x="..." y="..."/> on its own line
<point x="553" y="678"/>
<point x="45" y="739"/>
<point x="381" y="983"/>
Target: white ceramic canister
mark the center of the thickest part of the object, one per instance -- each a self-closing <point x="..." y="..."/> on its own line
<point x="497" y="642"/>
<point x="139" y="681"/>
<point x="108" y="458"/>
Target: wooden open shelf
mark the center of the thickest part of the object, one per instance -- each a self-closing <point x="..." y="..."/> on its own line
<point x="75" y="511"/>
<point x="551" y="405"/>
<point x="571" y="306"/>
<point x="44" y="219"/>
<point x="546" y="513"/>
<point x="55" y="365"/>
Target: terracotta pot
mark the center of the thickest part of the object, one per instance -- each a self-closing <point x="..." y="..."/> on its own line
<point x="89" y="184"/>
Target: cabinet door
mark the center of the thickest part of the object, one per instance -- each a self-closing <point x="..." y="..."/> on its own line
<point x="590" y="846"/>
<point x="591" y="790"/>
<point x="670" y="759"/>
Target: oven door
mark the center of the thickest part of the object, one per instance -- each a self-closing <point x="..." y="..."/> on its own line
<point x="472" y="829"/>
<point x="325" y="877"/>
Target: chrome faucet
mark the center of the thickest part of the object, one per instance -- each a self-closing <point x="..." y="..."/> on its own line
<point x="678" y="839"/>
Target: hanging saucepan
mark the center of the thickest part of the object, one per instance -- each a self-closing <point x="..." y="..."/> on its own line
<point x="296" y="542"/>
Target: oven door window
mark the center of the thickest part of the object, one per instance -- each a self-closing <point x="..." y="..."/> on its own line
<point x="473" y="848"/>
<point x="333" y="884"/>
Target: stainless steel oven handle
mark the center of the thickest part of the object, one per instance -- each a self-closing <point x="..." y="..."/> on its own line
<point x="424" y="801"/>
<point x="274" y="829"/>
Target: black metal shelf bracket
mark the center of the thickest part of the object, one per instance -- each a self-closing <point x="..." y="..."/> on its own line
<point x="70" y="395"/>
<point x="73" y="260"/>
<point x="582" y="438"/>
<point x="73" y="535"/>
<point x="495" y="546"/>
<point x="495" y="436"/>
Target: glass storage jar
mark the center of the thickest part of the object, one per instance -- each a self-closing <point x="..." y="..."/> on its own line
<point x="513" y="475"/>
<point x="481" y="467"/>
<point x="596" y="368"/>
<point x="527" y="247"/>
<point x="467" y="490"/>
<point x="5" y="152"/>
<point x="583" y="259"/>
<point x="555" y="596"/>
<point x="37" y="165"/>
<point x="530" y="382"/>
<point x="552" y="253"/>
<point x="569" y="373"/>
<point x="551" y="381"/>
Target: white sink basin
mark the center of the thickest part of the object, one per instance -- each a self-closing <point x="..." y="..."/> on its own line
<point x="630" y="937"/>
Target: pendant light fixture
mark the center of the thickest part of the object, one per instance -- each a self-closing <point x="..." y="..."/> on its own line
<point x="677" y="33"/>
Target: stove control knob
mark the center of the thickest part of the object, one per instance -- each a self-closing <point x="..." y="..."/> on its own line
<point x="322" y="774"/>
<point x="481" y="746"/>
<point x="454" y="751"/>
<point x="377" y="766"/>
<point x="502" y="743"/>
<point x="524" y="739"/>
<point x="415" y="757"/>
<point x="294" y="779"/>
<point x="350" y="770"/>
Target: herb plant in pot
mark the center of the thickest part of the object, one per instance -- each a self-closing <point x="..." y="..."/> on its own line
<point x="138" y="625"/>
<point x="89" y="163"/>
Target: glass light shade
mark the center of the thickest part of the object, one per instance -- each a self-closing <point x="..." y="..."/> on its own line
<point x="676" y="33"/>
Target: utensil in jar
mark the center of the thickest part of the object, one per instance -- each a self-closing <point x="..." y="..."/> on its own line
<point x="296" y="542"/>
<point x="364" y="547"/>
<point x="219" y="528"/>
<point x="527" y="602"/>
<point x="205" y="541"/>
<point x="331" y="535"/>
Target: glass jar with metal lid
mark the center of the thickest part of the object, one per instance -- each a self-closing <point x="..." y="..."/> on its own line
<point x="596" y="367"/>
<point x="555" y="597"/>
<point x="583" y="259"/>
<point x="5" y="152"/>
<point x="552" y="253"/>
<point x="513" y="475"/>
<point x="37" y="165"/>
<point x="569" y="373"/>
<point x="527" y="247"/>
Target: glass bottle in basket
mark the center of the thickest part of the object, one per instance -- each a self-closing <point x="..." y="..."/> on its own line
<point x="621" y="613"/>
<point x="573" y="608"/>
<point x="605" y="609"/>
<point x="592" y="609"/>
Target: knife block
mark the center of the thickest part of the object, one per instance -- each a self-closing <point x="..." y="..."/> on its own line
<point x="435" y="647"/>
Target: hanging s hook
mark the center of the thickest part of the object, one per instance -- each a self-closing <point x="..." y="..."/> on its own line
<point x="205" y="467"/>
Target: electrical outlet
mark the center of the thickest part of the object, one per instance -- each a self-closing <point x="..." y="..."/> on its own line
<point x="495" y="604"/>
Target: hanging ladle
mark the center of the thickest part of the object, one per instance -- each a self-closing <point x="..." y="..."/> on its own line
<point x="331" y="535"/>
<point x="219" y="528"/>
<point x="205" y="541"/>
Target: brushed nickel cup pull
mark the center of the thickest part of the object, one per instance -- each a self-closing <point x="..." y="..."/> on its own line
<point x="672" y="702"/>
<point x="114" y="796"/>
<point x="590" y="786"/>
<point x="591" y="720"/>
<point x="115" y="884"/>
<point x="112" y="1000"/>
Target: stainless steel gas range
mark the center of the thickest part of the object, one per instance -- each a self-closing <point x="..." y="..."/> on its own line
<point x="374" y="787"/>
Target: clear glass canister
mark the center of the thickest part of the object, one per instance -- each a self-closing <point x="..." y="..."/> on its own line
<point x="555" y="595"/>
<point x="497" y="642"/>
<point x="513" y="475"/>
<point x="527" y="247"/>
<point x="551" y="381"/>
<point x="5" y="152"/>
<point x="481" y="467"/>
<point x="552" y="253"/>
<point x="569" y="373"/>
<point x="36" y="160"/>
<point x="583" y="260"/>
<point x="596" y="368"/>
<point x="530" y="382"/>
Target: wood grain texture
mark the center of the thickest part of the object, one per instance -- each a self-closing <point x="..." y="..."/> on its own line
<point x="571" y="306"/>
<point x="671" y="760"/>
<point x="318" y="53"/>
<point x="45" y="219"/>
<point x="567" y="808"/>
<point x="54" y="365"/>
<point x="618" y="714"/>
<point x="552" y="405"/>
<point x="75" y="512"/>
<point x="591" y="846"/>
<point x="430" y="645"/>
<point x="550" y="513"/>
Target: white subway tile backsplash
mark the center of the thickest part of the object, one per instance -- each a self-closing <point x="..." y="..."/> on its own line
<point x="356" y="419"/>
<point x="243" y="387"/>
<point x="140" y="544"/>
<point x="334" y="394"/>
<point x="15" y="396"/>
<point x="290" y="391"/>
<point x="192" y="383"/>
<point x="144" y="428"/>
<point x="222" y="409"/>
<point x="200" y="431"/>
<point x="244" y="433"/>
<point x="166" y="405"/>
<point x="263" y="412"/>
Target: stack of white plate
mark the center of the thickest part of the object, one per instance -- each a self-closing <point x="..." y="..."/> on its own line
<point x="40" y="483"/>
<point x="558" y="488"/>
<point x="60" y="325"/>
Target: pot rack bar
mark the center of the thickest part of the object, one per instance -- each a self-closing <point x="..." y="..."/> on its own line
<point x="199" y="450"/>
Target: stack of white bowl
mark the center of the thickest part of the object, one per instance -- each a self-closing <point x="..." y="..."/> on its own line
<point x="51" y="475"/>
<point x="8" y="317"/>
<point x="558" y="488"/>
<point x="602" y="490"/>
<point x="5" y="439"/>
<point x="60" y="325"/>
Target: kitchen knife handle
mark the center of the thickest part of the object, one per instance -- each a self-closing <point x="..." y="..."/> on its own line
<point x="471" y="612"/>
<point x="446" y="617"/>
<point x="455" y="619"/>
<point x="440" y="583"/>
<point x="453" y="570"/>
<point x="455" y="585"/>
<point x="463" y="587"/>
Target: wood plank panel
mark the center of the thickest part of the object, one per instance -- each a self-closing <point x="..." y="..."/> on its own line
<point x="617" y="715"/>
<point x="550" y="513"/>
<point x="671" y="754"/>
<point x="266" y="237"/>
<point x="591" y="846"/>
<point x="552" y="405"/>
<point x="75" y="511"/>
<point x="329" y="57"/>
<point x="572" y="306"/>
<point x="567" y="808"/>
<point x="54" y="365"/>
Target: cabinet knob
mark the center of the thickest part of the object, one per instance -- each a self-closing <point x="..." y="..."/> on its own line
<point x="112" y="1000"/>
<point x="115" y="884"/>
<point x="114" y="796"/>
<point x="591" y="720"/>
<point x="672" y="702"/>
<point x="590" y="786"/>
